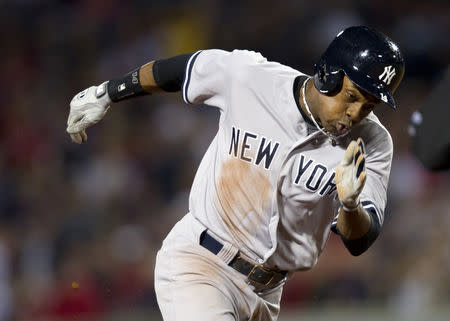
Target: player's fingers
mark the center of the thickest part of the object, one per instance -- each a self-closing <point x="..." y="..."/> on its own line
<point x="361" y="144"/>
<point x="74" y="128"/>
<point x="361" y="181"/>
<point x="357" y="152"/>
<point x="83" y="135"/>
<point x="75" y="119"/>
<point x="338" y="174"/>
<point x="358" y="157"/>
<point x="76" y="123"/>
<point x="349" y="153"/>
<point x="78" y="127"/>
<point x="76" y="138"/>
<point x="360" y="165"/>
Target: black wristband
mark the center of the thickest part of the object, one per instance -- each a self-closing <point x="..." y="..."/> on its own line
<point x="126" y="87"/>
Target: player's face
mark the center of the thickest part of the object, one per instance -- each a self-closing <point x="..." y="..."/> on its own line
<point x="339" y="113"/>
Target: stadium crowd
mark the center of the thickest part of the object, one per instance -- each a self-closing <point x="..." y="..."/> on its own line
<point x="80" y="225"/>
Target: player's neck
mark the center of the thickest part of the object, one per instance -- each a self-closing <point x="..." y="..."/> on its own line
<point x="309" y="97"/>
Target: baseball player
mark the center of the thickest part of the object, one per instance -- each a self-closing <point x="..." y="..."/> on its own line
<point x="294" y="158"/>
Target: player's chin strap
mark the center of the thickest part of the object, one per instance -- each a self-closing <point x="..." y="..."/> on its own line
<point x="332" y="137"/>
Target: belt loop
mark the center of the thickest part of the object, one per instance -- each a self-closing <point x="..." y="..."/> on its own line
<point x="227" y="253"/>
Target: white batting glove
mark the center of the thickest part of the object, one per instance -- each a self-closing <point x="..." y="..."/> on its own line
<point x="87" y="108"/>
<point x="351" y="175"/>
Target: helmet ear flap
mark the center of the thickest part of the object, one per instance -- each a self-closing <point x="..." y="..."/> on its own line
<point x="328" y="82"/>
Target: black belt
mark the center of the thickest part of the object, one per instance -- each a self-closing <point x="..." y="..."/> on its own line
<point x="256" y="274"/>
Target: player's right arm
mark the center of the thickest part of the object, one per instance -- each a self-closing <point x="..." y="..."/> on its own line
<point x="90" y="105"/>
<point x="204" y="77"/>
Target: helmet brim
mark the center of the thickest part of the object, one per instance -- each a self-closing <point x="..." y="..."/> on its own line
<point x="374" y="87"/>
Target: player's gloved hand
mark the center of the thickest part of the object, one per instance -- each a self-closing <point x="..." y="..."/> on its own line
<point x="351" y="175"/>
<point x="87" y="108"/>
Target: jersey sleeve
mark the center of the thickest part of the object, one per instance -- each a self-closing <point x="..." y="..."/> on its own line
<point x="378" y="166"/>
<point x="211" y="73"/>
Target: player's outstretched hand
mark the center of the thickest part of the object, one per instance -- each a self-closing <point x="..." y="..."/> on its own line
<point x="87" y="108"/>
<point x="351" y="175"/>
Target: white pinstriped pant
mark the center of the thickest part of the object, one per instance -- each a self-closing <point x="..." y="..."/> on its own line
<point x="193" y="284"/>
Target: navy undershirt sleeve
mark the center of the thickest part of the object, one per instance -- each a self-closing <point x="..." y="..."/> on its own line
<point x="359" y="246"/>
<point x="169" y="73"/>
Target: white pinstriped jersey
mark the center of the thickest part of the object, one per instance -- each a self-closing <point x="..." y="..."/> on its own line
<point x="266" y="182"/>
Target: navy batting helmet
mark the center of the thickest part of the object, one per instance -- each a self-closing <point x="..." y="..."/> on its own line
<point x="367" y="57"/>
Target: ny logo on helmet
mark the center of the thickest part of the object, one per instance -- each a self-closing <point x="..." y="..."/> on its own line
<point x="387" y="75"/>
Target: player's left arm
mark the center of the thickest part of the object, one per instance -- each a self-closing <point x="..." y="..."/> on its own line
<point x="358" y="222"/>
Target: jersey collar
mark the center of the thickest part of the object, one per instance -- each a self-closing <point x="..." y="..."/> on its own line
<point x="296" y="91"/>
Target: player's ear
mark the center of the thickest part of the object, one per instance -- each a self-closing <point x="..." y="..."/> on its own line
<point x="328" y="82"/>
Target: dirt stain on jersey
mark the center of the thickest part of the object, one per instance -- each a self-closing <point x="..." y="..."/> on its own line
<point x="244" y="194"/>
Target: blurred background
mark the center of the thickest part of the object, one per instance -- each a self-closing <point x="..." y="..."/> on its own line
<point x="80" y="225"/>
